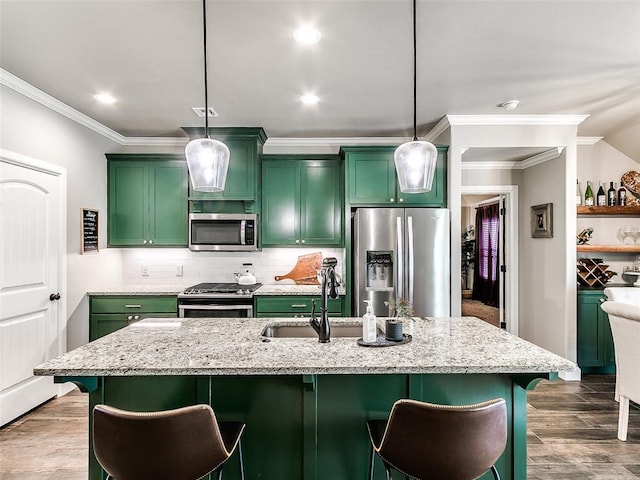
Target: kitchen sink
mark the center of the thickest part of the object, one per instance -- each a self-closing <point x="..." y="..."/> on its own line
<point x="306" y="331"/>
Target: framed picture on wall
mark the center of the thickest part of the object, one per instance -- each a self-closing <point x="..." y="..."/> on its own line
<point x="542" y="221"/>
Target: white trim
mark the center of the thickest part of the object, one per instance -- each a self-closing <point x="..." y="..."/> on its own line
<point x="458" y="120"/>
<point x="588" y="140"/>
<point x="32" y="163"/>
<point x="511" y="258"/>
<point x="551" y="154"/>
<point x="442" y="126"/>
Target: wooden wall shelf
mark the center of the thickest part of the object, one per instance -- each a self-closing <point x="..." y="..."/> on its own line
<point x="626" y="210"/>
<point x="609" y="248"/>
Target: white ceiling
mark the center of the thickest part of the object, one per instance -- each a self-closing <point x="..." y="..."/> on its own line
<point x="556" y="57"/>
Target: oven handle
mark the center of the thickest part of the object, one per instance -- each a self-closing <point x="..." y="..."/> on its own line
<point x="182" y="308"/>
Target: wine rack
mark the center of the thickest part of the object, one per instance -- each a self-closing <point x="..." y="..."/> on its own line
<point x="593" y="273"/>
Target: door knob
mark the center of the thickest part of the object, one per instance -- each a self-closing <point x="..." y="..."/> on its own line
<point x="54" y="296"/>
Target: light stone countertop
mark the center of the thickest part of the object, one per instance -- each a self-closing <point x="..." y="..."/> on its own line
<point x="292" y="289"/>
<point x="200" y="346"/>
<point x="135" y="290"/>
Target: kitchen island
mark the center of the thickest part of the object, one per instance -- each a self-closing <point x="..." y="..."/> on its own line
<point x="305" y="403"/>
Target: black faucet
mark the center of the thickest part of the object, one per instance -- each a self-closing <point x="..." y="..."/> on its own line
<point x="329" y="289"/>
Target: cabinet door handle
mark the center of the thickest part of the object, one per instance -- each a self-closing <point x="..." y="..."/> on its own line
<point x="129" y="317"/>
<point x="297" y="241"/>
<point x="391" y="199"/>
<point x="602" y="300"/>
<point x="132" y="305"/>
<point x="296" y="305"/>
<point x="136" y="317"/>
<point x="304" y="241"/>
<point x="401" y="200"/>
<point x="150" y="242"/>
<point x="144" y="242"/>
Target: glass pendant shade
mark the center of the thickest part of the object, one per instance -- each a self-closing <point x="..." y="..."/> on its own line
<point x="208" y="162"/>
<point x="415" y="165"/>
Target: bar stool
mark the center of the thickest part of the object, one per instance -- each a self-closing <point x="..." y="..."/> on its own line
<point x="432" y="442"/>
<point x="182" y="444"/>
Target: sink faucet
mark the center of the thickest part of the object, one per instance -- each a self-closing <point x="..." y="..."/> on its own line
<point x="329" y="289"/>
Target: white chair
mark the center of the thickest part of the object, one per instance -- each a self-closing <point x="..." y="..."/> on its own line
<point x="623" y="294"/>
<point x="625" y="327"/>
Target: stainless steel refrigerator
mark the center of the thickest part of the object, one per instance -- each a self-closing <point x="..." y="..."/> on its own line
<point x="402" y="253"/>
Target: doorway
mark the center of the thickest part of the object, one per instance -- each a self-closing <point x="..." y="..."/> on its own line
<point x="32" y="246"/>
<point x="503" y="311"/>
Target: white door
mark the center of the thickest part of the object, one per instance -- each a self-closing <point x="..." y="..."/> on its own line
<point x="31" y="251"/>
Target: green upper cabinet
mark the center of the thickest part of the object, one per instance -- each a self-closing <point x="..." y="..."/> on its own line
<point x="371" y="178"/>
<point x="301" y="200"/>
<point x="147" y="200"/>
<point x="245" y="144"/>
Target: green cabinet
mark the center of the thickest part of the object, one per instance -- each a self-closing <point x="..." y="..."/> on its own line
<point x="371" y="178"/>
<point x="245" y="144"/>
<point x="301" y="201"/>
<point x="596" y="353"/>
<point x="109" y="313"/>
<point x="294" y="306"/>
<point x="147" y="200"/>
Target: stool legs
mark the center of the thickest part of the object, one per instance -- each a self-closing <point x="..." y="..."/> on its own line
<point x="494" y="470"/>
<point x="240" y="461"/>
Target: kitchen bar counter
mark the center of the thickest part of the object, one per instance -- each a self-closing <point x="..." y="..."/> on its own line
<point x="235" y="347"/>
<point x="306" y="404"/>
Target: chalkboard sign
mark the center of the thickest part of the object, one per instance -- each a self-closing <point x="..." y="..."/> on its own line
<point x="89" y="231"/>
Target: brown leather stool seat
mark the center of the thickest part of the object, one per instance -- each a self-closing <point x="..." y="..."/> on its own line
<point x="182" y="444"/>
<point x="435" y="442"/>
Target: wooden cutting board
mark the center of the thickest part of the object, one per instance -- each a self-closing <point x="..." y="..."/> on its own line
<point x="304" y="272"/>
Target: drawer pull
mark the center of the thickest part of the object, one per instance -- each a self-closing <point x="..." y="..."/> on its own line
<point x="133" y="306"/>
<point x="304" y="305"/>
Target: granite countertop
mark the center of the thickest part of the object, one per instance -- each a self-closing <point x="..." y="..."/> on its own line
<point x="197" y="346"/>
<point x="264" y="290"/>
<point x="291" y="289"/>
<point x="139" y="290"/>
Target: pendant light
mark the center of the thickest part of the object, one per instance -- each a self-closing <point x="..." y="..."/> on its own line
<point x="207" y="159"/>
<point x="416" y="160"/>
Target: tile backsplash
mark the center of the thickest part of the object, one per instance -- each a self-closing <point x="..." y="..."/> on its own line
<point x="179" y="266"/>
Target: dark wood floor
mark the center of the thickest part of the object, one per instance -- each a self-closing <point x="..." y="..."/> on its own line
<point x="572" y="435"/>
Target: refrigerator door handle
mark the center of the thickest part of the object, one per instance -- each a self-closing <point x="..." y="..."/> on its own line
<point x="400" y="260"/>
<point x="410" y="255"/>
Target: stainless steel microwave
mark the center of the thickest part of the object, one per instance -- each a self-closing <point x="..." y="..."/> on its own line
<point x="230" y="232"/>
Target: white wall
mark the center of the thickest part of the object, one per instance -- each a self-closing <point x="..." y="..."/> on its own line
<point x="541" y="278"/>
<point x="28" y="128"/>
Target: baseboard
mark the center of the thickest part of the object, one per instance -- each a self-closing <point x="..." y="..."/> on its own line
<point x="574" y="376"/>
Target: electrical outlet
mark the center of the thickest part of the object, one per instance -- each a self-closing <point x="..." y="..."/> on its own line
<point x="145" y="270"/>
<point x="179" y="270"/>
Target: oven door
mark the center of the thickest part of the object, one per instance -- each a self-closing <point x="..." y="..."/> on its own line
<point x="202" y="310"/>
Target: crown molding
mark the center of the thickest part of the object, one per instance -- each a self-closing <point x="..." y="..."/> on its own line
<point x="469" y="120"/>
<point x="588" y="140"/>
<point x="546" y="156"/>
<point x="333" y="141"/>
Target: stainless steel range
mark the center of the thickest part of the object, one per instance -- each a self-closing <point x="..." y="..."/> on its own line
<point x="217" y="300"/>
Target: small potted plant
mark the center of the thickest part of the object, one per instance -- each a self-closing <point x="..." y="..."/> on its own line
<point x="401" y="312"/>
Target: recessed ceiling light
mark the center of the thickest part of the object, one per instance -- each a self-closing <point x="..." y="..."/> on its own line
<point x="105" y="98"/>
<point x="306" y="35"/>
<point x="309" y="99"/>
<point x="509" y="104"/>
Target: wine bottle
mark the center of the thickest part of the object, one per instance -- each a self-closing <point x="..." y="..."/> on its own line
<point x="588" y="195"/>
<point x="578" y="193"/>
<point x="611" y="195"/>
<point x="622" y="195"/>
<point x="601" y="198"/>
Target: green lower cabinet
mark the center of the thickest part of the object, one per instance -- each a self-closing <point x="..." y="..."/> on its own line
<point x="313" y="427"/>
<point x="294" y="306"/>
<point x="596" y="352"/>
<point x="109" y="313"/>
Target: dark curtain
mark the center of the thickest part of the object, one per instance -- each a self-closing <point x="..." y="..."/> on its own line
<point x="485" y="273"/>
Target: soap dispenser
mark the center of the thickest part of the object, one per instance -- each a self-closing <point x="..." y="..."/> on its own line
<point x="369" y="325"/>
